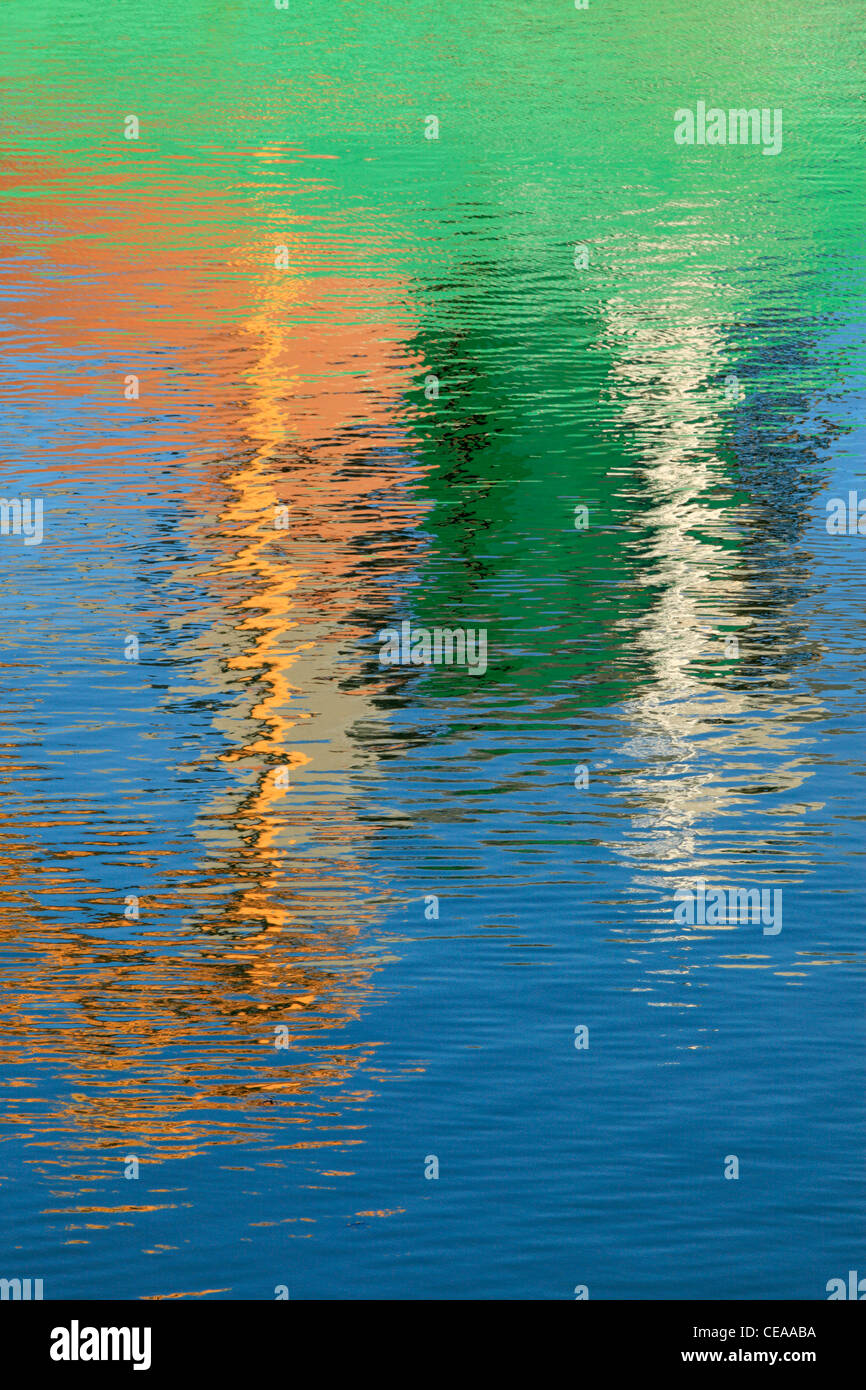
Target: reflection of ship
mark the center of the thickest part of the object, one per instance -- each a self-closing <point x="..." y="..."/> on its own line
<point x="264" y="408"/>
<point x="698" y="732"/>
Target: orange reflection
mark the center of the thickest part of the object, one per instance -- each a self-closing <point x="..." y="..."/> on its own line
<point x="273" y="389"/>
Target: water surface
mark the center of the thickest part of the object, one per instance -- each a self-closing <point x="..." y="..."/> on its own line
<point x="283" y="808"/>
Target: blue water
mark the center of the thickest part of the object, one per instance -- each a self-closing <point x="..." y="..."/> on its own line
<point x="248" y="831"/>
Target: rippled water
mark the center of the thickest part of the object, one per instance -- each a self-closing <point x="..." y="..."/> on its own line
<point x="283" y="807"/>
